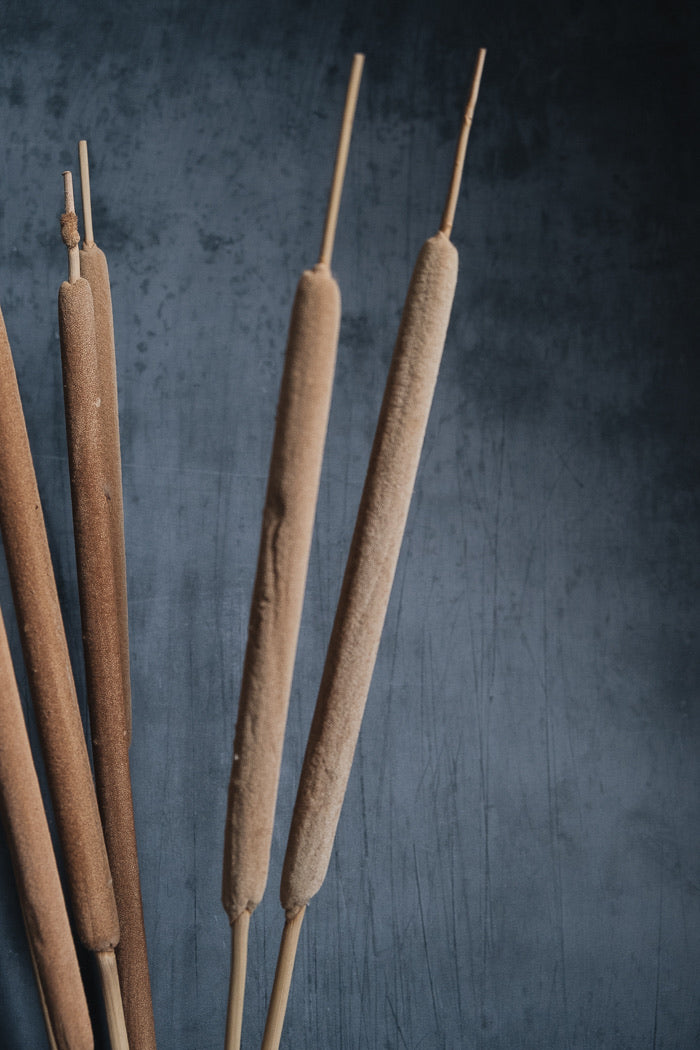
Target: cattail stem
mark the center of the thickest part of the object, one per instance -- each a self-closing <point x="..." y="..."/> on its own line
<point x="114" y="1008"/>
<point x="88" y="237"/>
<point x="282" y="982"/>
<point x="236" y="993"/>
<point x="455" y="182"/>
<point x="341" y="159"/>
<point x="69" y="223"/>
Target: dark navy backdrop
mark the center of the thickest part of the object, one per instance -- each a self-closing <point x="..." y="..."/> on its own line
<point x="517" y="859"/>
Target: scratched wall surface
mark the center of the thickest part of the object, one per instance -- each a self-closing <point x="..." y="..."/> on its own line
<point x="517" y="860"/>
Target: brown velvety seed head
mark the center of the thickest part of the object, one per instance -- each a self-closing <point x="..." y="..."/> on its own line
<point x="370" y="572"/>
<point x="101" y="644"/>
<point x="302" y="416"/>
<point x="93" y="267"/>
<point x="49" y="673"/>
<point x="38" y="884"/>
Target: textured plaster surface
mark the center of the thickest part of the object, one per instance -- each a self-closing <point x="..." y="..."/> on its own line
<point x="517" y="859"/>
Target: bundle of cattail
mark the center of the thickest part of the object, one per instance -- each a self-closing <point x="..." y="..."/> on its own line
<point x="90" y="495"/>
<point x="278" y="595"/>
<point x="93" y="267"/>
<point x="52" y="688"/>
<point x="368" y="579"/>
<point x="36" y="874"/>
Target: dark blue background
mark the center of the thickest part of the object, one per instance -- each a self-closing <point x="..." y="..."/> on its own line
<point x="517" y="860"/>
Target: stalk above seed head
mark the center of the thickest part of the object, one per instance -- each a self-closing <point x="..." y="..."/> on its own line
<point x="278" y="595"/>
<point x="368" y="579"/>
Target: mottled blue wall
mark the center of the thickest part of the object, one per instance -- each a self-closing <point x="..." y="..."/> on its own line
<point x="517" y="861"/>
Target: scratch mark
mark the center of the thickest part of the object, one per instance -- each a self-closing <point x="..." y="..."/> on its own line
<point x="396" y="1021"/>
<point x="425" y="941"/>
<point x="554" y="824"/>
<point x="658" y="962"/>
<point x="487" y="700"/>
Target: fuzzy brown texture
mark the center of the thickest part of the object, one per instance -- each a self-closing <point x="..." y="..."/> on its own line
<point x="93" y="267"/>
<point x="278" y="595"/>
<point x="34" y="864"/>
<point x="101" y="646"/>
<point x="69" y="229"/>
<point x="370" y="572"/>
<point x="49" y="674"/>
